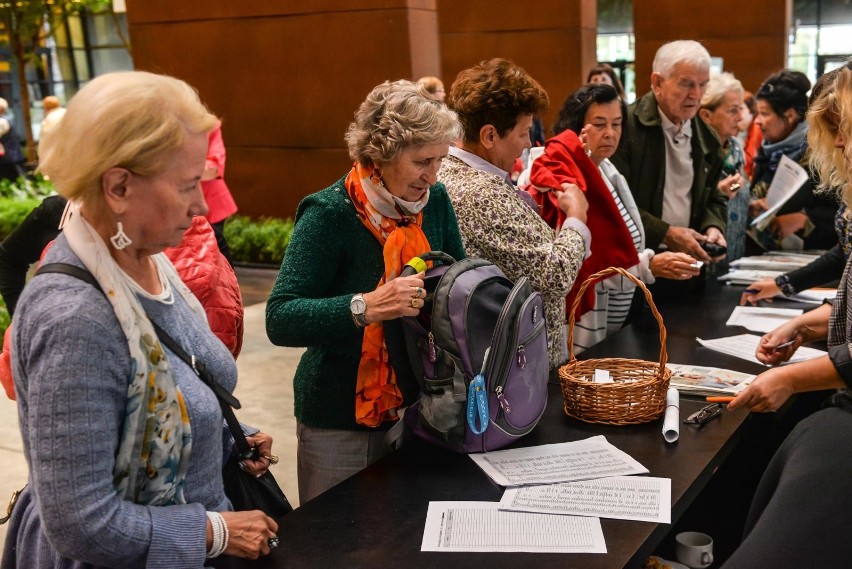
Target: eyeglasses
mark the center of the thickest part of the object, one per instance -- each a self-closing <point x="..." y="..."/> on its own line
<point x="704" y="415"/>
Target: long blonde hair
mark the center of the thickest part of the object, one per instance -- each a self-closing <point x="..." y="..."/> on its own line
<point x="132" y="119"/>
<point x="831" y="112"/>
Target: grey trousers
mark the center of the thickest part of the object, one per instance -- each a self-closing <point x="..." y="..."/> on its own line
<point x="325" y="457"/>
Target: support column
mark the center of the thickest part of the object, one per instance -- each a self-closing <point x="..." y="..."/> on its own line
<point x="554" y="40"/>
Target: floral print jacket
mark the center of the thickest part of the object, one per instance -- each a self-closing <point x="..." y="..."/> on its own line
<point x="496" y="224"/>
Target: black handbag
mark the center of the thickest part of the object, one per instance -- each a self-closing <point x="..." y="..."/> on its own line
<point x="244" y="490"/>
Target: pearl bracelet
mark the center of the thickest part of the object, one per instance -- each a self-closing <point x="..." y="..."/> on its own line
<point x="220" y="534"/>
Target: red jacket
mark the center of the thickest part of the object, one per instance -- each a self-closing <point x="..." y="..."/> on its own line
<point x="219" y="200"/>
<point x="565" y="161"/>
<point x="212" y="280"/>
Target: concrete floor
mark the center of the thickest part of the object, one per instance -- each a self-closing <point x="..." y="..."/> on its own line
<point x="265" y="390"/>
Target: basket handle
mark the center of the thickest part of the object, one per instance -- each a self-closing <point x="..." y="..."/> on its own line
<point x="606" y="273"/>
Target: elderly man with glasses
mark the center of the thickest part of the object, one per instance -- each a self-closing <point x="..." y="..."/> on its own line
<point x="671" y="159"/>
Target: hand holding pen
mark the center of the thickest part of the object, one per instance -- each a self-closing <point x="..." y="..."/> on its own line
<point x="759" y="290"/>
<point x="777" y="346"/>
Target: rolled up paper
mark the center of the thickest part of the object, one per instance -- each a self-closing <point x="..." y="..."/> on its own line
<point x="671" y="421"/>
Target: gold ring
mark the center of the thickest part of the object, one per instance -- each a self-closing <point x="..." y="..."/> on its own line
<point x="273" y="459"/>
<point x="415" y="303"/>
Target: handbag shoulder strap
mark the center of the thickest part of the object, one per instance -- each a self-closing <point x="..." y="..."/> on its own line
<point x="226" y="400"/>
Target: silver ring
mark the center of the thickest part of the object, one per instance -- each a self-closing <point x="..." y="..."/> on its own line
<point x="417" y="291"/>
<point x="273" y="542"/>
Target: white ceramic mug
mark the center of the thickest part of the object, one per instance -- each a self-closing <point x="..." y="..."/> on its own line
<point x="694" y="549"/>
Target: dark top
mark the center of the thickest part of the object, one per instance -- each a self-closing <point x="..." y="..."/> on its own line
<point x="332" y="256"/>
<point x="24" y="245"/>
<point x="820" y="207"/>
<point x="803" y="505"/>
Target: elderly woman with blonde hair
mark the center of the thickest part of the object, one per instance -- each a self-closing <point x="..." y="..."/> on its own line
<point x="721" y="109"/>
<point x="340" y="279"/>
<point x="124" y="442"/>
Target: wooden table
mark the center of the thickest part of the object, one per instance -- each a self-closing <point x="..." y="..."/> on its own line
<point x="376" y="518"/>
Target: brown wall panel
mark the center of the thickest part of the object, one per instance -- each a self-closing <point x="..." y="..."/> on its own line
<point x="511" y="15"/>
<point x="286" y="86"/>
<point x="548" y="41"/>
<point x="142" y="11"/>
<point x="752" y="45"/>
<point x="561" y="72"/>
<point x="272" y="181"/>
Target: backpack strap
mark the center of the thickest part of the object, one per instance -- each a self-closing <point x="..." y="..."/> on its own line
<point x="226" y="400"/>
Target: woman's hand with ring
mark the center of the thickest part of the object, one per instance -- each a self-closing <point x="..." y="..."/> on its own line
<point x="249" y="533"/>
<point x="395" y="298"/>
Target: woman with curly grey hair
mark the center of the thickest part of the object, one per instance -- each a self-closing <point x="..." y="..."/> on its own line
<point x="339" y="280"/>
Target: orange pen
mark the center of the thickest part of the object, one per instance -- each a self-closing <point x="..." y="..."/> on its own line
<point x="720" y="399"/>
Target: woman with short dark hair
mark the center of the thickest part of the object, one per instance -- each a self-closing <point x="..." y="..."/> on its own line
<point x="496" y="101"/>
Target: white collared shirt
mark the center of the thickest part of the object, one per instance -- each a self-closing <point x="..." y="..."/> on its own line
<point x="478" y="162"/>
<point x="677" y="191"/>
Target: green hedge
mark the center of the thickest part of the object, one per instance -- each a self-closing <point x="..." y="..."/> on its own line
<point x="261" y="240"/>
<point x="12" y="213"/>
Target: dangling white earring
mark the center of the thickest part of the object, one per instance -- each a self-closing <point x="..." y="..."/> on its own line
<point x="120" y="240"/>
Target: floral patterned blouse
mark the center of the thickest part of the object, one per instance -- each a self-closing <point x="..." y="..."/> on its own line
<point x="497" y="225"/>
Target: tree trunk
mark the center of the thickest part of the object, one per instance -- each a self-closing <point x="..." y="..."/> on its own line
<point x="19" y="55"/>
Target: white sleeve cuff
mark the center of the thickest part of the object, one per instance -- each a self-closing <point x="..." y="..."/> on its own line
<point x="645" y="274"/>
<point x="583" y="230"/>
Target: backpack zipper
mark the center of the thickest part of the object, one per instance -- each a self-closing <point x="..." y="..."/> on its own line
<point x="520" y="352"/>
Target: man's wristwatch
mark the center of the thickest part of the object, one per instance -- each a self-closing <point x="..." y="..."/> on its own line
<point x="359" y="310"/>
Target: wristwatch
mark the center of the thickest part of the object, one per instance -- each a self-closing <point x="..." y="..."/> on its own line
<point x="359" y="310"/>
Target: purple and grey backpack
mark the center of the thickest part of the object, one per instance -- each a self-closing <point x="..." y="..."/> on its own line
<point x="478" y="351"/>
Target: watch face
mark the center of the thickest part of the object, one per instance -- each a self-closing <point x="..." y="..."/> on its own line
<point x="358" y="306"/>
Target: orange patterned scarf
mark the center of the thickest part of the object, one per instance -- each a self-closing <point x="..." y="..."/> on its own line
<point x="376" y="394"/>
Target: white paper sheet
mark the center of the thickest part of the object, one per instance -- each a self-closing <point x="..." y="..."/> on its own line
<point x="671" y="420"/>
<point x="482" y="526"/>
<point x="788" y="178"/>
<point x="814" y="295"/>
<point x="761" y="319"/>
<point x="641" y="498"/>
<point x="563" y="462"/>
<point x="745" y="345"/>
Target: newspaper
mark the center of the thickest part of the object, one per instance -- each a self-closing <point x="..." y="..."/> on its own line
<point x="703" y="380"/>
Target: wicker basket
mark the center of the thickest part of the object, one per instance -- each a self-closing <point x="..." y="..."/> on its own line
<point x="638" y="394"/>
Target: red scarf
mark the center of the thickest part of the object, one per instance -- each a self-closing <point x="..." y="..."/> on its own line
<point x="377" y="395"/>
<point x="565" y="161"/>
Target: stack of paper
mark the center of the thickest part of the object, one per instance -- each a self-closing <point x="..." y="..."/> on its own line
<point x="784" y="263"/>
<point x="746" y="277"/>
<point x="555" y="497"/>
